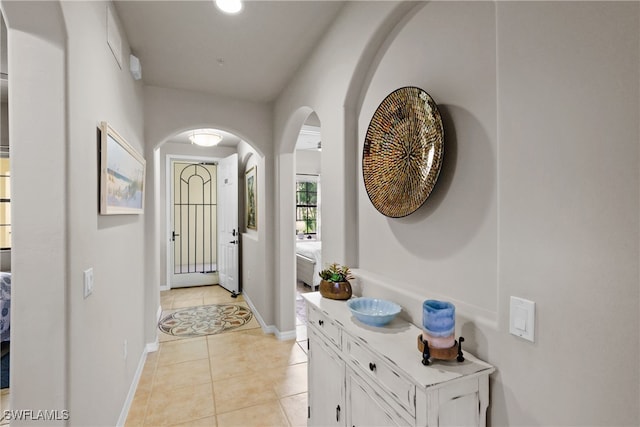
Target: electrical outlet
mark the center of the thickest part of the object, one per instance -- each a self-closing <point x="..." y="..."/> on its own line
<point x="88" y="282"/>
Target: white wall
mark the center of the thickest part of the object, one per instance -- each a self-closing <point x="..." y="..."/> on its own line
<point x="99" y="326"/>
<point x="577" y="256"/>
<point x="171" y="111"/>
<point x="326" y="84"/>
<point x="39" y="262"/>
<point x="454" y="236"/>
<point x="308" y="162"/>
<point x="67" y="352"/>
<point x="538" y="195"/>
<point x="254" y="244"/>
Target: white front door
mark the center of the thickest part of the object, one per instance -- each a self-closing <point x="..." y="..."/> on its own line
<point x="228" y="234"/>
<point x="193" y="231"/>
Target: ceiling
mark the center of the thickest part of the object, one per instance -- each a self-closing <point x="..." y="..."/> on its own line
<point x="251" y="56"/>
<point x="228" y="139"/>
<point x="309" y="138"/>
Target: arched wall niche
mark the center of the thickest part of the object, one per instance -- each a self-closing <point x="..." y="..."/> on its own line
<point x="335" y="94"/>
<point x="37" y="41"/>
<point x="171" y="111"/>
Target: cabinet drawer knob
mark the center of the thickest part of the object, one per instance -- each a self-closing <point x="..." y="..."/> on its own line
<point x="372" y="366"/>
<point x="320" y="322"/>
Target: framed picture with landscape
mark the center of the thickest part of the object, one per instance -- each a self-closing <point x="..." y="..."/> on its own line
<point x="251" y="199"/>
<point x="122" y="172"/>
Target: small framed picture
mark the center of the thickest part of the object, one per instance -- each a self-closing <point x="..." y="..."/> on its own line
<point x="122" y="172"/>
<point x="251" y="199"/>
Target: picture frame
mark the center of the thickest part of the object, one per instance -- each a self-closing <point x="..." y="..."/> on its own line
<point x="251" y="199"/>
<point x="122" y="175"/>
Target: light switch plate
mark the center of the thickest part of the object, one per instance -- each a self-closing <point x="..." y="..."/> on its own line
<point x="522" y="318"/>
<point x="88" y="282"/>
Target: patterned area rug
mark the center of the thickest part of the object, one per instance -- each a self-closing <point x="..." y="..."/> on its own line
<point x="207" y="320"/>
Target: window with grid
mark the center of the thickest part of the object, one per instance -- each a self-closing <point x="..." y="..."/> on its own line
<point x="307" y="197"/>
<point x="5" y="204"/>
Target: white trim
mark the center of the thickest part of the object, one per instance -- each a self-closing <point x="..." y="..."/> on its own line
<point x="159" y="313"/>
<point x="269" y="329"/>
<point x="286" y="335"/>
<point x="134" y="386"/>
<point x="168" y="202"/>
<point x="369" y="284"/>
<point x="152" y="347"/>
<point x="265" y="328"/>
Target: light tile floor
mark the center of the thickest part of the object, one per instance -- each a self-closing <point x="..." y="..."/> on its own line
<point x="4" y="405"/>
<point x="242" y="378"/>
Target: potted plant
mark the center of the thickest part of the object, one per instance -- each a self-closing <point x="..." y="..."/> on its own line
<point x="335" y="282"/>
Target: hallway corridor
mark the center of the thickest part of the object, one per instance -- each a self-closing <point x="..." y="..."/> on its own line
<point x="237" y="378"/>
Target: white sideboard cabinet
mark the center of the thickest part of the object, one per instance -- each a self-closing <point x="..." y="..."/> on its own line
<point x="362" y="376"/>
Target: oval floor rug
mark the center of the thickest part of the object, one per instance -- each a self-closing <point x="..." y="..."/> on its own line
<point x="205" y="320"/>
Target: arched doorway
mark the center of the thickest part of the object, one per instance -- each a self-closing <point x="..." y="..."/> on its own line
<point x="200" y="211"/>
<point x="308" y="214"/>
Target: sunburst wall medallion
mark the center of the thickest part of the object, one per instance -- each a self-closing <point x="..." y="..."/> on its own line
<point x="403" y="151"/>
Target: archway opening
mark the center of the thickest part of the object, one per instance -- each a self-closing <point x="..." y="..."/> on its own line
<point x="308" y="213"/>
<point x="189" y="191"/>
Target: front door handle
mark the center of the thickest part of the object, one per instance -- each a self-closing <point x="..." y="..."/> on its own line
<point x="173" y="236"/>
<point x="235" y="242"/>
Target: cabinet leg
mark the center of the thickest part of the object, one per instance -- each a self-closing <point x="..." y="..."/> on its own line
<point x="460" y="355"/>
<point x="426" y="354"/>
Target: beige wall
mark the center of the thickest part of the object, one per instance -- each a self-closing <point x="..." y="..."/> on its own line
<point x="67" y="351"/>
<point x="538" y="196"/>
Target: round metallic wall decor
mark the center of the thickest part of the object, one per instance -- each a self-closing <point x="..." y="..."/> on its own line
<point x="403" y="151"/>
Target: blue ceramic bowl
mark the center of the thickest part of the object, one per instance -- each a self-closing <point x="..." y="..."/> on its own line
<point x="373" y="311"/>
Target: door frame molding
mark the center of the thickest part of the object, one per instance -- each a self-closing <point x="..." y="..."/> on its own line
<point x="169" y="158"/>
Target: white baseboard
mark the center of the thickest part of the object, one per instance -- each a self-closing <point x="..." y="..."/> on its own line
<point x="164" y="288"/>
<point x="153" y="346"/>
<point x="286" y="335"/>
<point x="149" y="348"/>
<point x="132" y="389"/>
<point x="269" y="329"/>
<point x="265" y="328"/>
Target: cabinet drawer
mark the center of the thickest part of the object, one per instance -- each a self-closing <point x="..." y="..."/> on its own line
<point x="325" y="325"/>
<point x="401" y="390"/>
<point x="368" y="407"/>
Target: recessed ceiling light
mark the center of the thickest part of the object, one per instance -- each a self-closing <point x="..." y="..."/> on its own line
<point x="205" y="137"/>
<point x="229" y="6"/>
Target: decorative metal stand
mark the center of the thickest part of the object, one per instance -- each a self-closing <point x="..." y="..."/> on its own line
<point x="428" y="352"/>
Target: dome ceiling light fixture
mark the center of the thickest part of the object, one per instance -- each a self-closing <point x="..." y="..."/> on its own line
<point x="205" y="137"/>
<point x="229" y="6"/>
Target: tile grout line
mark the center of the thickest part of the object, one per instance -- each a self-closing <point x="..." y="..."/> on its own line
<point x="213" y="392"/>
